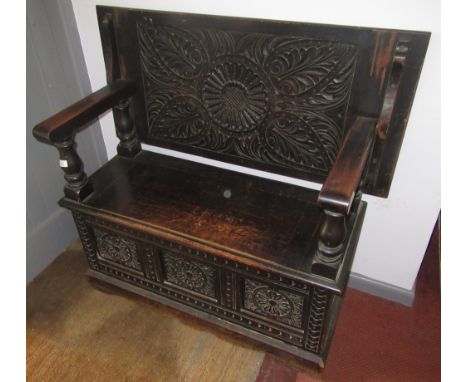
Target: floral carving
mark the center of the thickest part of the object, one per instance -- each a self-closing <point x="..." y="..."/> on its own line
<point x="117" y="249"/>
<point x="189" y="274"/>
<point x="302" y="67"/>
<point x="290" y="139"/>
<point x="178" y="51"/>
<point x="274" y="303"/>
<point x="182" y="118"/>
<point x="235" y="96"/>
<point x="274" y="100"/>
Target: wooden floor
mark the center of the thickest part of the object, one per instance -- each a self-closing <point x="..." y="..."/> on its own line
<point x="78" y="330"/>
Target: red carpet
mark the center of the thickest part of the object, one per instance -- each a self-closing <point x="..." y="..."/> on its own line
<point x="378" y="340"/>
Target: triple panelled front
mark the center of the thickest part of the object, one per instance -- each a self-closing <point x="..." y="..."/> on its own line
<point x="265" y="302"/>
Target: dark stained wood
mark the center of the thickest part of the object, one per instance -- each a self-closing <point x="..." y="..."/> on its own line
<point x="262" y="258"/>
<point x="191" y="200"/>
<point x="178" y="106"/>
<point x="60" y="129"/>
<point x="92" y="331"/>
<point x="77" y="186"/>
<point x="110" y="48"/>
<point x="166" y="215"/>
<point x="129" y="144"/>
<point x="185" y="202"/>
<point x="377" y="178"/>
<point x="63" y="125"/>
<point x="339" y="188"/>
<point x="332" y="237"/>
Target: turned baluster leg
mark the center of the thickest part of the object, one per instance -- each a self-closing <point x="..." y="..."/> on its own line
<point x="332" y="236"/>
<point x="77" y="186"/>
<point x="129" y="145"/>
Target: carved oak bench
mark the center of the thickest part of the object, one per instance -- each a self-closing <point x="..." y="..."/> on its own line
<point x="262" y="258"/>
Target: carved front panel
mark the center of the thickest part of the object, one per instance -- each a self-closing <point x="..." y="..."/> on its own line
<point x="189" y="274"/>
<point x="263" y="304"/>
<point x="277" y="304"/>
<point x="117" y="249"/>
<point x="275" y="100"/>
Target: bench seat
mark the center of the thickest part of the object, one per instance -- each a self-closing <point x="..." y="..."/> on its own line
<point x="271" y="224"/>
<point x="262" y="258"/>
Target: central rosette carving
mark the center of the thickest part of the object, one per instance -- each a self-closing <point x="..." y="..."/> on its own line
<point x="190" y="275"/>
<point x="272" y="302"/>
<point x="235" y="96"/>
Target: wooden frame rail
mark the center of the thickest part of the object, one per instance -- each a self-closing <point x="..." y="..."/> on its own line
<point x="60" y="129"/>
<point x="341" y="189"/>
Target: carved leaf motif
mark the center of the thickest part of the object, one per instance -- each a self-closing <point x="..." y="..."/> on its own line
<point x="299" y="69"/>
<point x="179" y="52"/>
<point x="292" y="139"/>
<point x="270" y="99"/>
<point x="335" y="90"/>
<point x="181" y="118"/>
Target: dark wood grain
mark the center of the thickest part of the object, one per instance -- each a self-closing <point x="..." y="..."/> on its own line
<point x="77" y="186"/>
<point x="339" y="188"/>
<point x="184" y="202"/>
<point x="288" y="115"/>
<point x="265" y="259"/>
<point x="64" y="124"/>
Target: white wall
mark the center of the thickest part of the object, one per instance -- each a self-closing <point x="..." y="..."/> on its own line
<point x="396" y="230"/>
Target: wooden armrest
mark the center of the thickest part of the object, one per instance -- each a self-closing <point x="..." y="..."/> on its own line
<point x="338" y="190"/>
<point x="63" y="125"/>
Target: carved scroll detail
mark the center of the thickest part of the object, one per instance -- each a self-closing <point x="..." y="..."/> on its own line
<point x="276" y="100"/>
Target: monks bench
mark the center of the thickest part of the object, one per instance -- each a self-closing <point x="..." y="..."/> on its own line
<point x="263" y="258"/>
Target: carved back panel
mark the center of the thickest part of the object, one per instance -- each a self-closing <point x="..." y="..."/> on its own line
<point x="270" y="95"/>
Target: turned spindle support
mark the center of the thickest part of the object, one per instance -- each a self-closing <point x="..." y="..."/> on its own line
<point x="332" y="236"/>
<point x="77" y="186"/>
<point x="129" y="144"/>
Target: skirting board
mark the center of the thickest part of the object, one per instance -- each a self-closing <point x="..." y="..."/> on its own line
<point x="381" y="289"/>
